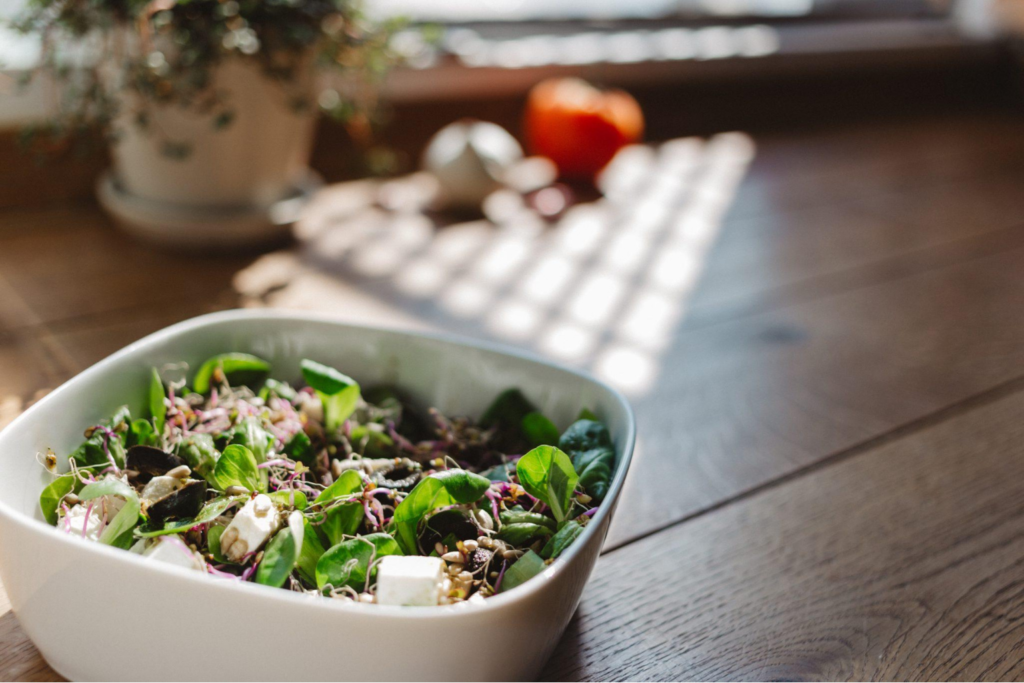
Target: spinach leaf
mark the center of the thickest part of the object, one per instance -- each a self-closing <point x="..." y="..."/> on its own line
<point x="211" y="511"/>
<point x="300" y="448"/>
<point x="593" y="455"/>
<point x="272" y="387"/>
<point x="437" y="490"/>
<point x="561" y="540"/>
<point x="213" y="535"/>
<point x="199" y="452"/>
<point x="509" y="409"/>
<point x="348" y="563"/>
<point x="548" y="475"/>
<point x="238" y="368"/>
<point x="282" y="553"/>
<point x="49" y="499"/>
<point x="251" y="434"/>
<point x="157" y="407"/>
<point x="348" y="483"/>
<point x="518" y="515"/>
<point x="141" y="433"/>
<point x="126" y="518"/>
<point x="371" y="443"/>
<point x="595" y="468"/>
<point x="587" y="414"/>
<point x="294" y="499"/>
<point x="341" y="520"/>
<point x="427" y="496"/>
<point x="463" y="486"/>
<point x="339" y="393"/>
<point x="523" y="533"/>
<point x="525" y="568"/>
<point x="584" y="435"/>
<point x="312" y="551"/>
<point x="539" y="430"/>
<point x="237" y="467"/>
<point x="92" y="452"/>
<point x="502" y="472"/>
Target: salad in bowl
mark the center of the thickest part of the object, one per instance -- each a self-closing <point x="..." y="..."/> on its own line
<point x="331" y="489"/>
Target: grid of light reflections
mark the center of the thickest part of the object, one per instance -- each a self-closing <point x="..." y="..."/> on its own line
<point x="603" y="289"/>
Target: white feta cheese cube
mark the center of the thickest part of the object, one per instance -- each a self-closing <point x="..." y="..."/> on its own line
<point x="250" y="528"/>
<point x="84" y="520"/>
<point x="88" y="519"/>
<point x="410" y="580"/>
<point x="172" y="550"/>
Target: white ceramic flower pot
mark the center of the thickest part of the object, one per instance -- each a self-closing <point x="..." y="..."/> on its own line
<point x="237" y="186"/>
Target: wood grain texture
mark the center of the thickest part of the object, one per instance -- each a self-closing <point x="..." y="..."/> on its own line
<point x="850" y="293"/>
<point x="751" y="400"/>
<point x="903" y="562"/>
<point x="68" y="261"/>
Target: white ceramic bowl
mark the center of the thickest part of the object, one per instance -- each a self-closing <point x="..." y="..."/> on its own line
<point x="97" y="613"/>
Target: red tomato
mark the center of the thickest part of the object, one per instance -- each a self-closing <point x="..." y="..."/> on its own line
<point x="579" y="127"/>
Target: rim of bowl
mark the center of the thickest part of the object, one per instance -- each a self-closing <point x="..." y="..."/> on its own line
<point x="495" y="602"/>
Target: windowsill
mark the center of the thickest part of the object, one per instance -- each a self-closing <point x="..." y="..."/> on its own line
<point x="485" y="68"/>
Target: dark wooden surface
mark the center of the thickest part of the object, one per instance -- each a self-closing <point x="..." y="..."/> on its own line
<point x="828" y="480"/>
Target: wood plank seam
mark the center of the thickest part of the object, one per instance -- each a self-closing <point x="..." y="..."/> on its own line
<point x="925" y="422"/>
<point x="884" y="270"/>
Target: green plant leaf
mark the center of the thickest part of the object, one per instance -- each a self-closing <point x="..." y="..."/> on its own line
<point x="273" y="387"/>
<point x="251" y="434"/>
<point x="312" y="551"/>
<point x="539" y="430"/>
<point x="427" y="496"/>
<point x="561" y="540"/>
<point x="587" y="414"/>
<point x="91" y="451"/>
<point x="524" y="569"/>
<point x="339" y="407"/>
<point x="211" y="511"/>
<point x="371" y="443"/>
<point x="293" y="499"/>
<point x="548" y="475"/>
<point x="595" y="468"/>
<point x="141" y="433"/>
<point x="157" y="407"/>
<point x="348" y="563"/>
<point x="523" y="533"/>
<point x="518" y="515"/>
<point x="281" y="554"/>
<point x="584" y="435"/>
<point x="447" y="487"/>
<point x="502" y="472"/>
<point x="300" y="448"/>
<point x="126" y="518"/>
<point x="238" y="368"/>
<point x="348" y="483"/>
<point x="49" y="499"/>
<point x="463" y="486"/>
<point x="590" y="446"/>
<point x="509" y="409"/>
<point x="341" y="520"/>
<point x="213" y="535"/>
<point x="324" y="378"/>
<point x="200" y="454"/>
<point x="237" y="467"/>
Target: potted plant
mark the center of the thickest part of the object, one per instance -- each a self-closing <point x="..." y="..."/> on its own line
<point x="209" y="105"/>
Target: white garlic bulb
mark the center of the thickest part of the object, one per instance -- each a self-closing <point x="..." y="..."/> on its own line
<point x="469" y="159"/>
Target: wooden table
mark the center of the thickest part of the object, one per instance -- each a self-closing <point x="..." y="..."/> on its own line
<point x="827" y="368"/>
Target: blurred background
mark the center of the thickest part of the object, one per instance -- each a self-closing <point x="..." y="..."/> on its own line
<point x="588" y="180"/>
<point x="791" y="231"/>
